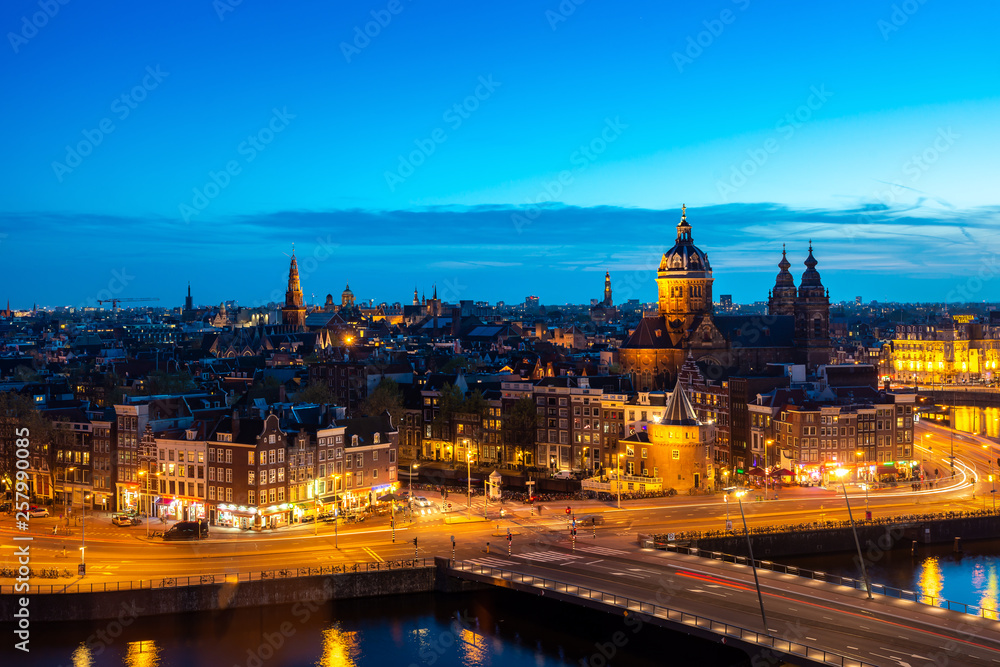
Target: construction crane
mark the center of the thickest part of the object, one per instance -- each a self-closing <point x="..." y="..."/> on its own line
<point x="114" y="302"/>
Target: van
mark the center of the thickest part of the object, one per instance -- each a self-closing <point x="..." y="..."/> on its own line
<point x="187" y="530"/>
<point x="564" y="474"/>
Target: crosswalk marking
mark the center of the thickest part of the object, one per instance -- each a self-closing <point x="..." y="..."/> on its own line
<point x="548" y="556"/>
<point x="492" y="562"/>
<point x="604" y="551"/>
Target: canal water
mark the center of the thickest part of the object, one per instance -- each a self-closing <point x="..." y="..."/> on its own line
<point x="971" y="576"/>
<point x="490" y="628"/>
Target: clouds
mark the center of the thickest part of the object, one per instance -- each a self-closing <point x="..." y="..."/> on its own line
<point x="901" y="249"/>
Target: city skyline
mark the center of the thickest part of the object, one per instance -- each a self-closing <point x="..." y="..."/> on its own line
<point x="190" y="160"/>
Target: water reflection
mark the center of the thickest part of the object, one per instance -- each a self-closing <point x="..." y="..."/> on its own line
<point x="473" y="648"/>
<point x="988" y="600"/>
<point x="983" y="421"/>
<point x="930" y="582"/>
<point x="340" y="648"/>
<point x="142" y="654"/>
<point x="82" y="657"/>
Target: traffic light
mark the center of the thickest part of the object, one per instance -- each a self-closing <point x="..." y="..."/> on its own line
<point x="568" y="510"/>
<point x="414" y="541"/>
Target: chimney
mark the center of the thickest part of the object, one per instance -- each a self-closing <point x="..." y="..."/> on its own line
<point x="236" y="423"/>
<point x="281" y="392"/>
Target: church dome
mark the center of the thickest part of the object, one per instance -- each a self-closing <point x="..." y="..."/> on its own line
<point x="685" y="255"/>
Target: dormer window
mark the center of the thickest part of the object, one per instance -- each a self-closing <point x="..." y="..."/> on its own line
<point x="354" y="441"/>
<point x="375" y="439"/>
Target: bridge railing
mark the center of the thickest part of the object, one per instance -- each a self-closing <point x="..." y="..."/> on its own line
<point x="817" y="575"/>
<point x="902" y="520"/>
<point x="778" y="644"/>
<point x="205" y="579"/>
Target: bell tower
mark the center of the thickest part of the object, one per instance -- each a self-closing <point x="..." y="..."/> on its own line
<point x="293" y="313"/>
<point x="812" y="316"/>
<point x="684" y="280"/>
<point x="782" y="300"/>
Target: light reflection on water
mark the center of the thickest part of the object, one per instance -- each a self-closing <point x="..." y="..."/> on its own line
<point x="340" y="649"/>
<point x="142" y="654"/>
<point x="971" y="576"/>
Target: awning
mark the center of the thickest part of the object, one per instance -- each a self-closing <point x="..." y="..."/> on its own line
<point x="756" y="472"/>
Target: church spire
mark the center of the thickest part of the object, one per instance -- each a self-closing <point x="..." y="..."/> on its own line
<point x="684" y="228"/>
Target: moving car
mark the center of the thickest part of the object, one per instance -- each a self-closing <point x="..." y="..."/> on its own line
<point x="590" y="520"/>
<point x="420" y="501"/>
<point x="187" y="530"/>
<point x="121" y="519"/>
<point x="38" y="512"/>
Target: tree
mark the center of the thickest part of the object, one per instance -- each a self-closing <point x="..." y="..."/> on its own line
<point x="386" y="397"/>
<point x="266" y="389"/>
<point x="449" y="403"/>
<point x="318" y="393"/>
<point x="455" y="363"/>
<point x="163" y="382"/>
<point x="18" y="412"/>
<point x="477" y="406"/>
<point x="520" y="425"/>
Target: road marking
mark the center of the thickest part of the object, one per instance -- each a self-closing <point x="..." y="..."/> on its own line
<point x="492" y="562"/>
<point x="374" y="555"/>
<point x="547" y="556"/>
<point x="604" y="551"/>
<point x="592" y="562"/>
<point x="853" y="648"/>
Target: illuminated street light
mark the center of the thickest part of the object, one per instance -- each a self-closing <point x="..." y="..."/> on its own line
<point x="753" y="563"/>
<point x="861" y="559"/>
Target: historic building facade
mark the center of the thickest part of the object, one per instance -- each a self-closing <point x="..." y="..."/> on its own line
<point x="293" y="313"/>
<point x="796" y="328"/>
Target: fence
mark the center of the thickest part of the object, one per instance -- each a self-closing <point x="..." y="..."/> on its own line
<point x="779" y="645"/>
<point x="816" y="575"/>
<point x="909" y="519"/>
<point x="209" y="579"/>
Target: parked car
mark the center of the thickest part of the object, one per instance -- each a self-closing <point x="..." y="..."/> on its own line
<point x="564" y="474"/>
<point x="38" y="512"/>
<point x="420" y="501"/>
<point x="121" y="519"/>
<point x="187" y="530"/>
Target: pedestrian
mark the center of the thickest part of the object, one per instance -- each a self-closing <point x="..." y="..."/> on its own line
<point x="540" y="510"/>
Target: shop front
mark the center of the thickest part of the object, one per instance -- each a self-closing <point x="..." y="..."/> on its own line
<point x="275" y="516"/>
<point x="234" y="516"/>
<point x="180" y="509"/>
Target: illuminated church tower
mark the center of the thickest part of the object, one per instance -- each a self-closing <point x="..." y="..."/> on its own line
<point x="684" y="281"/>
<point x="293" y="314"/>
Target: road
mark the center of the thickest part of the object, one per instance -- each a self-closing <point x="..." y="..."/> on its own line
<point x="883" y="631"/>
<point x="125" y="553"/>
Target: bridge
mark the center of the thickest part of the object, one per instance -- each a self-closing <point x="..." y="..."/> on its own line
<point x="809" y="622"/>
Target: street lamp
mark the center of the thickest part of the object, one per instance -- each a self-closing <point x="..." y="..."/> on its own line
<point x="144" y="475"/>
<point x="753" y="563"/>
<point x="83" y="535"/>
<point x="861" y="559"/>
<point x="336" y="511"/>
<point x="409" y="493"/>
<point x="67" y="492"/>
<point x="468" y="476"/>
<point x="619" y="476"/>
<point x="767" y="445"/>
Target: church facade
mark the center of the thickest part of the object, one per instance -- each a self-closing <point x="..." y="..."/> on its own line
<point x="796" y="328"/>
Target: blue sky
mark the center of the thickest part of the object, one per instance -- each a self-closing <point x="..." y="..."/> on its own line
<point x="150" y="145"/>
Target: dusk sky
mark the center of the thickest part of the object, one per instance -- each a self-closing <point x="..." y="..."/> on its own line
<point x="148" y="145"/>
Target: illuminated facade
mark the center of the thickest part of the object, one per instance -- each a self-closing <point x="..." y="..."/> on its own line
<point x="952" y="352"/>
<point x="293" y="313"/>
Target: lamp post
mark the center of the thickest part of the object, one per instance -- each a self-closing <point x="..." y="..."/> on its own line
<point x="336" y="511"/>
<point x="753" y="563"/>
<point x="619" y="476"/>
<point x="767" y="445"/>
<point x="144" y="475"/>
<point x="409" y="492"/>
<point x="83" y="535"/>
<point x="861" y="559"/>
<point x="468" y="476"/>
<point x="68" y="498"/>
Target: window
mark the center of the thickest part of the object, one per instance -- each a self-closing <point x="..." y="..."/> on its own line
<point x="229" y="456"/>
<point x="211" y="455"/>
<point x="392" y="473"/>
<point x="375" y="456"/>
<point x="211" y="474"/>
<point x="374" y="475"/>
<point x="211" y="492"/>
<point x="250" y="458"/>
<point x="281" y="474"/>
<point x="251" y="476"/>
<point x="270" y="439"/>
<point x="251" y="498"/>
<point x="281" y="494"/>
<point x="271" y="495"/>
<point x="229" y="494"/>
<point x="272" y="475"/>
<point x="645" y="453"/>
<point x="629" y="450"/>
<point x="170" y="454"/>
<point x="229" y="475"/>
<point x="281" y="456"/>
<point x="271" y="455"/>
<point x="675" y="454"/>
